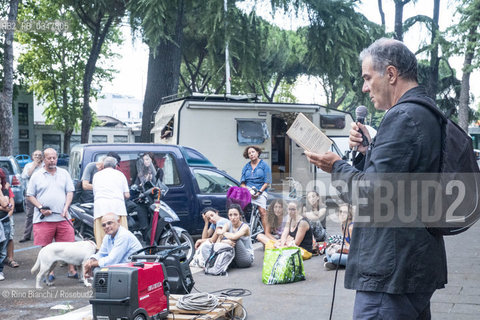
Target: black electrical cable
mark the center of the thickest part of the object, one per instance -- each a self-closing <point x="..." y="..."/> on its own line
<point x="336" y="270"/>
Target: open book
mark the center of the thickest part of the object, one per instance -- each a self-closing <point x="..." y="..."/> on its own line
<point x="308" y="136"/>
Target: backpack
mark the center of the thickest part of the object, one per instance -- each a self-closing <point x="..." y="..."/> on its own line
<point x="221" y="255"/>
<point x="457" y="164"/>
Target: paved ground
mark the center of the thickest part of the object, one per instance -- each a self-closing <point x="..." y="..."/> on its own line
<point x="309" y="299"/>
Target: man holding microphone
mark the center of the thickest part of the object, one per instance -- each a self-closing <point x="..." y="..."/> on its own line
<point x="394" y="270"/>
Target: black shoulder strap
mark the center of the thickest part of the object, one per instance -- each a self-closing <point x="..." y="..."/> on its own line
<point x="427" y="104"/>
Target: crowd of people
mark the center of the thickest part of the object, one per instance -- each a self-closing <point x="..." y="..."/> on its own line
<point x="49" y="195"/>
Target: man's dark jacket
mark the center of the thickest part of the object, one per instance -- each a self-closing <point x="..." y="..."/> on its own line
<point x="398" y="260"/>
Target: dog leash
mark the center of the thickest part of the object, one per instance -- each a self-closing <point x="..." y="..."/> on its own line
<point x="69" y="222"/>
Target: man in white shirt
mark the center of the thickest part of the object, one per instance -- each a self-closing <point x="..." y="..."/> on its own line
<point x="110" y="189"/>
<point x="28" y="171"/>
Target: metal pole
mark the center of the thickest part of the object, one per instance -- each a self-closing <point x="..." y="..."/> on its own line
<point x="227" y="62"/>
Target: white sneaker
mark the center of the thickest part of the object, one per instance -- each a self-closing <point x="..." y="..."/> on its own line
<point x="2" y="277"/>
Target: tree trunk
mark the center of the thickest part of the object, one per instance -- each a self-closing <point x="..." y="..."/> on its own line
<point x="163" y="74"/>
<point x="97" y="41"/>
<point x="6" y="98"/>
<point x="399" y="18"/>
<point x="463" y="106"/>
<point x="67" y="135"/>
<point x="432" y="86"/>
<point x="382" y="14"/>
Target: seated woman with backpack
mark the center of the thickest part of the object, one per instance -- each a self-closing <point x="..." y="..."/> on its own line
<point x="233" y="237"/>
<point x="297" y="231"/>
<point x="236" y="233"/>
<point x="276" y="221"/>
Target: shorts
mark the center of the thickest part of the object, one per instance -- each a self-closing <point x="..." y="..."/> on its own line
<point x="261" y="201"/>
<point x="45" y="232"/>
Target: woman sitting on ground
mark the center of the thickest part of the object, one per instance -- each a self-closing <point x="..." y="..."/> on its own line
<point x="237" y="234"/>
<point x="276" y="221"/>
<point x="212" y="222"/>
<point x="332" y="254"/>
<point x="297" y="231"/>
<point x="315" y="212"/>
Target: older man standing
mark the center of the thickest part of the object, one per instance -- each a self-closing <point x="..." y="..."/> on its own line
<point x="118" y="244"/>
<point x="50" y="191"/>
<point x="28" y="171"/>
<point x="394" y="270"/>
<point x="110" y="189"/>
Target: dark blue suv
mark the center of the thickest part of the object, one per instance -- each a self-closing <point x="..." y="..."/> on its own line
<point x="193" y="181"/>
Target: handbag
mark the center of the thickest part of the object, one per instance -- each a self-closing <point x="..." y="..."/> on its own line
<point x="282" y="265"/>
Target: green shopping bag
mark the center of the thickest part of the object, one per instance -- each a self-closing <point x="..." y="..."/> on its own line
<point x="282" y="265"/>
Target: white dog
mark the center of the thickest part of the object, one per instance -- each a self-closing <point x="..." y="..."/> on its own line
<point x="75" y="253"/>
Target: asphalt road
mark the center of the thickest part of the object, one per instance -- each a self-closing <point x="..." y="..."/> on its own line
<point x="309" y="299"/>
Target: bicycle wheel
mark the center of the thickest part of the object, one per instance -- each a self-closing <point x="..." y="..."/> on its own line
<point x="256" y="226"/>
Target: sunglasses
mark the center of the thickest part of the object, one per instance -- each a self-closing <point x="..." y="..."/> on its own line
<point x="108" y="223"/>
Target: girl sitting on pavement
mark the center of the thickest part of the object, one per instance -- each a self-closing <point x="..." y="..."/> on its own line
<point x="315" y="212"/>
<point x="237" y="234"/>
<point x="332" y="254"/>
<point x="212" y="222"/>
<point x="297" y="231"/>
<point x="276" y="221"/>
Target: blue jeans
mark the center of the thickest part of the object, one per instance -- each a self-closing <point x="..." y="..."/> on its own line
<point x="385" y="306"/>
<point x="3" y="245"/>
<point x="336" y="259"/>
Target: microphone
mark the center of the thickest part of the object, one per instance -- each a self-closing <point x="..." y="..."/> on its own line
<point x="360" y="114"/>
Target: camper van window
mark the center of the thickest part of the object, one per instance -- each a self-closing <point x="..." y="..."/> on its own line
<point x="332" y="121"/>
<point x="164" y="163"/>
<point x="212" y="182"/>
<point x="251" y="131"/>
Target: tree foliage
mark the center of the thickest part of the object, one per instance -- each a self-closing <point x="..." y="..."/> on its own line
<point x="336" y="35"/>
<point x="161" y="25"/>
<point x="54" y="64"/>
<point x="101" y="18"/>
<point x="467" y="44"/>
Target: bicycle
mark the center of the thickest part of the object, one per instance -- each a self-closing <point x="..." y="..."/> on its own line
<point x="255" y="223"/>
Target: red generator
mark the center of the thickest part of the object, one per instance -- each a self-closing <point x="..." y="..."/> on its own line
<point x="135" y="290"/>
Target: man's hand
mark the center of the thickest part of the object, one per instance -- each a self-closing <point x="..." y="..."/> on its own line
<point x="45" y="212"/>
<point x="88" y="267"/>
<point x="355" y="139"/>
<point x="323" y="161"/>
<point x="65" y="212"/>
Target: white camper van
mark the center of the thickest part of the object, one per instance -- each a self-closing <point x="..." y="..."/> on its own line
<point x="221" y="127"/>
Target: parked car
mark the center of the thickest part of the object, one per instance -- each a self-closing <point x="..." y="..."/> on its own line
<point x="23" y="159"/>
<point x="18" y="185"/>
<point x="193" y="181"/>
<point x="63" y="159"/>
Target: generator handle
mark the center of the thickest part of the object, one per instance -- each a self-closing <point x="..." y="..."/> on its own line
<point x="110" y="301"/>
<point x="144" y="257"/>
